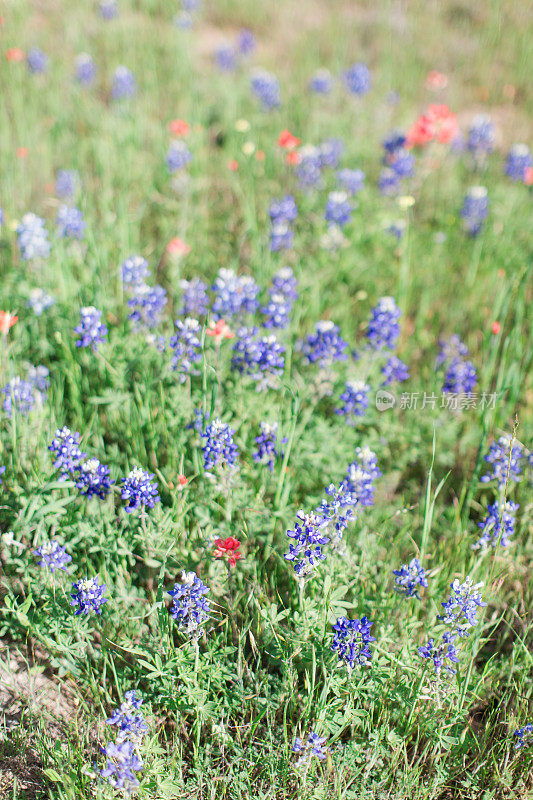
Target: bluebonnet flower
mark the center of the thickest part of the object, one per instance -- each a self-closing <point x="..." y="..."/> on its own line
<point x="122" y="762"/>
<point x="309" y="539"/>
<point x="52" y="556"/>
<point x="394" y="371"/>
<point x="147" y="304"/>
<point x="226" y="57"/>
<point x="331" y="152"/>
<point x="284" y="209"/>
<point x="357" y="79"/>
<point x="90" y="330"/>
<point x="88" y="595"/>
<point x="195" y="300"/>
<point x="178" y="156"/>
<point x="354" y="400"/>
<point x="524" y="736"/>
<point x="190" y="608"/>
<point x="450" y="349"/>
<point x="307" y="748"/>
<point x="441" y="654"/>
<point x="234" y="294"/>
<point x="397" y="157"/>
<point x="397" y="228"/>
<point x="187" y="347"/>
<point x="219" y="449"/>
<point x="265" y="87"/>
<point x="325" y="345"/>
<point x="134" y="271"/>
<point x="131" y="725"/>
<point x="85" y="69"/>
<point x="66" y="449"/>
<point x="308" y="171"/>
<point x="2" y="217"/>
<point x="39" y="378"/>
<point x="383" y="329"/>
<point x="281" y="237"/>
<point x="267" y="442"/>
<point x="498" y="525"/>
<point x="351" y="180"/>
<point x="246" y="43"/>
<point x="518" y="161"/>
<point x="2" y="470"/>
<point x="335" y="511"/>
<point x="123" y="84"/>
<point x="37" y="61"/>
<point x="20" y="397"/>
<point x="351" y="641"/>
<point x="395" y="140"/>
<point x="32" y="237"/>
<point x="92" y="479"/>
<point x="338" y="208"/>
<point x="108" y="9"/>
<point x="70" y="223"/>
<point x="199" y="420"/>
<point x="388" y="181"/>
<point x="260" y="357"/>
<point x="462" y="606"/>
<point x="361" y="474"/>
<point x="505" y="457"/>
<point x="284" y="282"/>
<point x="409" y="577"/>
<point x="475" y="209"/>
<point x="192" y="6"/>
<point x="460" y="377"/>
<point x="140" y="490"/>
<point x="480" y="139"/>
<point x="67" y="183"/>
<point x="321" y="82"/>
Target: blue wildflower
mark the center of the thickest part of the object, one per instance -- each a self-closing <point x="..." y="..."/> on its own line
<point x="219" y="449"/>
<point x="68" y="456"/>
<point x="505" y="457"/>
<point x="475" y="209"/>
<point x="123" y="84"/>
<point x="147" y="304"/>
<point x="140" y="490"/>
<point x="462" y="606"/>
<point x="308" y="171"/>
<point x="338" y="209"/>
<point x="351" y="641"/>
<point x="134" y="271"/>
<point x="394" y="371"/>
<point x="409" y="577"/>
<point x="187" y="347"/>
<point x="52" y="556"/>
<point x="307" y="748"/>
<point x="108" y="9"/>
<point x="480" y="139"/>
<point x="518" y="161"/>
<point x="498" y="526"/>
<point x="121" y="765"/>
<point x="284" y="209"/>
<point x="357" y="79"/>
<point x="361" y="474"/>
<point x="178" y="156"/>
<point x="383" y="329"/>
<point x="226" y="57"/>
<point x="441" y="654"/>
<point x="460" y="377"/>
<point x="190" y="608"/>
<point x="321" y="82"/>
<point x="70" y="223"/>
<point x="450" y="349"/>
<point x="354" y="400"/>
<point x="37" y="61"/>
<point x="330" y="153"/>
<point x="90" y="330"/>
<point x="265" y="87"/>
<point x="246" y="43"/>
<point x="195" y="300"/>
<point x="351" y="180"/>
<point x="131" y="725"/>
<point x="309" y="539"/>
<point x="85" y="69"/>
<point x="234" y="294"/>
<point x="524" y="736"/>
<point x="93" y="480"/>
<point x="325" y="345"/>
<point x="20" y="397"/>
<point x="32" y="237"/>
<point x="88" y="595"/>
<point x="267" y="442"/>
<point x="260" y="357"/>
<point x="67" y="183"/>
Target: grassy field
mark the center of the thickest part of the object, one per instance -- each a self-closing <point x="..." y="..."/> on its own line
<point x="212" y="442"/>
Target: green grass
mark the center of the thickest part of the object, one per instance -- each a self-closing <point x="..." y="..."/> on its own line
<point x="223" y="717"/>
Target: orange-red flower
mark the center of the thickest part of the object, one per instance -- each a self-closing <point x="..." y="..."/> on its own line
<point x="233" y="165"/>
<point x="228" y="548"/>
<point x="178" y="127"/>
<point x="293" y="158"/>
<point x="260" y="155"/>
<point x="288" y="141"/>
<point x="219" y="330"/>
<point x="182" y="482"/>
<point x="22" y="152"/>
<point x="436" y="80"/>
<point x="528" y="176"/>
<point x="7" y="320"/>
<point x="437" y="123"/>
<point x="496" y="327"/>
<point x="15" y="54"/>
<point x="177" y="247"/>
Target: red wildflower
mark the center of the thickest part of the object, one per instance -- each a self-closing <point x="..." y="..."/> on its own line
<point x="219" y="330"/>
<point x="293" y="158"/>
<point x="178" y="127"/>
<point x="233" y="165"/>
<point x="177" y="247"/>
<point x="22" y="152"/>
<point x="528" y="176"/>
<point x="182" y="482"/>
<point x="228" y="547"/>
<point x="7" y="320"/>
<point x="496" y="328"/>
<point x="15" y="54"/>
<point x="436" y="80"/>
<point x="437" y="123"/>
<point x="260" y="155"/>
<point x="288" y="141"/>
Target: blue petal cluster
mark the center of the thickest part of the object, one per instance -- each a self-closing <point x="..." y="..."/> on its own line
<point x="190" y="608"/>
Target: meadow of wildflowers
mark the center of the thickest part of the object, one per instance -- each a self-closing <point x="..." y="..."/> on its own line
<point x="266" y="400"/>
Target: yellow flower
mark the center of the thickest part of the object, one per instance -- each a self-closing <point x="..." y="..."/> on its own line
<point x="406" y="201"/>
<point x="242" y="125"/>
